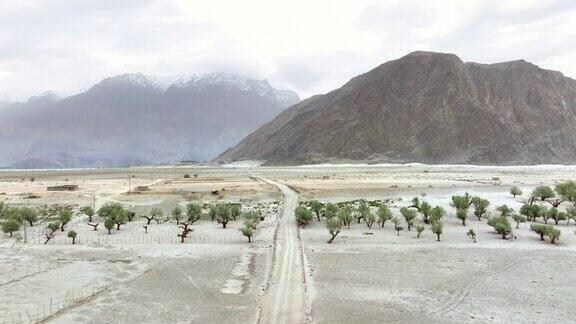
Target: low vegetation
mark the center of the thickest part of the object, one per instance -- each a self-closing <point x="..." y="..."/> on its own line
<point x="556" y="203"/>
<point x="519" y="219"/>
<point x="334" y="226"/>
<point x="303" y="216"/>
<point x="501" y="225"/>
<point x="437" y="229"/>
<point x="409" y="216"/>
<point x="10" y="226"/>
<point x="343" y="214"/>
<point x="471" y="234"/>
<point x="72" y="234"/>
<point x="515" y="191"/>
<point x="419" y="230"/>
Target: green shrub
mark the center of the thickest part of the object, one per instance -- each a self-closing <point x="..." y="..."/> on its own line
<point x="317" y="208"/>
<point x="384" y="214"/>
<point x="397" y="226"/>
<point x="65" y="216"/>
<point x="345" y="216"/>
<point x="247" y="231"/>
<point x="72" y="234"/>
<point x="109" y="224"/>
<point x="419" y="229"/>
<point x="330" y="210"/>
<point x="369" y="218"/>
<point x="10" y="226"/>
<point x="542" y="192"/>
<point x="409" y="216"/>
<point x="303" y="216"/>
<point x="193" y="212"/>
<point x="553" y="234"/>
<point x="471" y="234"/>
<point x="436" y="228"/>
<point x="461" y="202"/>
<point x="539" y="229"/>
<point x="567" y="191"/>
<point x="515" y="191"/>
<point x="530" y="211"/>
<point x="518" y="219"/>
<point x="176" y="214"/>
<point x="334" y="225"/>
<point x="480" y="207"/>
<point x="29" y="214"/>
<point x="501" y="225"/>
<point x="436" y="214"/>
<point x="88" y="211"/>
<point x="504" y="210"/>
<point x="462" y="214"/>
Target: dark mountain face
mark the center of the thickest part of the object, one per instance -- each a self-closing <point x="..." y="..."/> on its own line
<point x="431" y="108"/>
<point x="135" y="119"/>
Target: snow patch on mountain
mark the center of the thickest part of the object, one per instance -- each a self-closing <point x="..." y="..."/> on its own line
<point x="261" y="88"/>
<point x="167" y="81"/>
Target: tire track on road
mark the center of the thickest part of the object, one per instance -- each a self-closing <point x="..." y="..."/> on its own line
<point x="284" y="299"/>
<point x="460" y="295"/>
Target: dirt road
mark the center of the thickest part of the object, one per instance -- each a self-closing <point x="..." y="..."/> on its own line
<point x="284" y="300"/>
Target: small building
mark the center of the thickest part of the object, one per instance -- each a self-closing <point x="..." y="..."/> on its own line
<point x="72" y="187"/>
<point x="142" y="188"/>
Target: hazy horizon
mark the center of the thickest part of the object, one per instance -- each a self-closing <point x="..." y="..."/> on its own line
<point x="311" y="48"/>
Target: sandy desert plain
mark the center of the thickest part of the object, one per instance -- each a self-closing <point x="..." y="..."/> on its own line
<point x="287" y="274"/>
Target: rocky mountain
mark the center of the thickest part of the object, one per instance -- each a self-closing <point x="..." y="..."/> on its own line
<point x="135" y="119"/>
<point x="431" y="108"/>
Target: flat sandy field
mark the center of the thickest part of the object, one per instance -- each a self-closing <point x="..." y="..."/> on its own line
<point x="364" y="276"/>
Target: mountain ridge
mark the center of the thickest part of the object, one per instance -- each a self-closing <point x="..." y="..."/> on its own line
<point x="130" y="120"/>
<point x="427" y="107"/>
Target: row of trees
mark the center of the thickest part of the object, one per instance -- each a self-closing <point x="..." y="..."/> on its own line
<point x="342" y="215"/>
<point x="562" y="192"/>
<point x="528" y="212"/>
<point x="222" y="213"/>
<point x="115" y="215"/>
<point x="337" y="216"/>
<point x="14" y="217"/>
<point x="546" y="231"/>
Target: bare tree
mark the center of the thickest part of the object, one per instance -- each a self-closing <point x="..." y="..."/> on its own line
<point x="95" y="226"/>
<point x="185" y="230"/>
<point x="51" y="231"/>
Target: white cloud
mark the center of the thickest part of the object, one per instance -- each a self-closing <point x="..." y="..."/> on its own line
<point x="309" y="46"/>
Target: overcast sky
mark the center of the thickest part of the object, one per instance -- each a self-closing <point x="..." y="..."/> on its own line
<point x="310" y="46"/>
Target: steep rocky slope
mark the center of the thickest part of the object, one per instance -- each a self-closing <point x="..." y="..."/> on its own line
<point x="431" y="108"/>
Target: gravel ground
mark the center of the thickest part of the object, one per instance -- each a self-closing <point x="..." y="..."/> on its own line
<point x="361" y="278"/>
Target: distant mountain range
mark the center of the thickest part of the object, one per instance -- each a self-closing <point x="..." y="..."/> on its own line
<point x="431" y="108"/>
<point x="134" y="119"/>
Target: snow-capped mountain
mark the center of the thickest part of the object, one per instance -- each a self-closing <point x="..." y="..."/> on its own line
<point x="162" y="83"/>
<point x="138" y="119"/>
